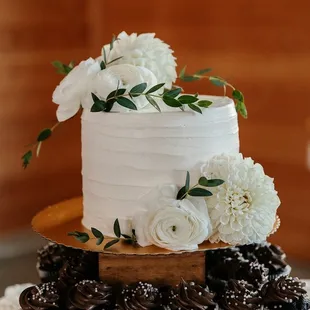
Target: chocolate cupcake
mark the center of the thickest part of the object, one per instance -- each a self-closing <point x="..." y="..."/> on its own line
<point x="82" y="267"/>
<point x="239" y="295"/>
<point x="141" y="296"/>
<point x="41" y="297"/>
<point x="285" y="293"/>
<point x="236" y="268"/>
<point x="191" y="296"/>
<point x="50" y="259"/>
<point x="271" y="256"/>
<point x="89" y="295"/>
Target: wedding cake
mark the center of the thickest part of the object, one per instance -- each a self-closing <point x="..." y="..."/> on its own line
<point x="127" y="156"/>
<point x="162" y="177"/>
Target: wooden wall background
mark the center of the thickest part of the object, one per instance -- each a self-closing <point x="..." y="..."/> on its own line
<point x="261" y="46"/>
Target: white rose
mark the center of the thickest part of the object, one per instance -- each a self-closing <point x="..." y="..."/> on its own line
<point x="174" y="224"/>
<point x="73" y="88"/>
<point x="119" y="76"/>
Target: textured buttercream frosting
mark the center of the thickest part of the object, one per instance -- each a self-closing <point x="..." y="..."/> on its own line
<point x="127" y="156"/>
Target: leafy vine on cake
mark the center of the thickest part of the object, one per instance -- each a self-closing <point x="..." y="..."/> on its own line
<point x="133" y="78"/>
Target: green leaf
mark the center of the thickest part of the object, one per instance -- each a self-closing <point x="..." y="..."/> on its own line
<point x="204" y="103"/>
<point x="102" y="65"/>
<point x="187" y="182"/>
<point x="125" y="102"/>
<point x="185" y="99"/>
<point x="171" y="102"/>
<point x="203" y="71"/>
<point x="190" y="78"/>
<point x="195" y="108"/>
<point x="138" y="89"/>
<point x="94" y="97"/>
<point x="98" y="106"/>
<point x="126" y="236"/>
<point x="26" y="159"/>
<point x="181" y="193"/>
<point x="44" y="134"/>
<point x="199" y="192"/>
<point x="217" y="81"/>
<point x="154" y="88"/>
<point x="115" y="93"/>
<point x="241" y="108"/>
<point x="237" y="94"/>
<point x="153" y="102"/>
<point x="80" y="236"/>
<point x="203" y="181"/>
<point x="62" y="68"/>
<point x="115" y="59"/>
<point x="110" y="243"/>
<point x="182" y="72"/>
<point x="117" y="229"/>
<point x="97" y="233"/>
<point x="173" y="92"/>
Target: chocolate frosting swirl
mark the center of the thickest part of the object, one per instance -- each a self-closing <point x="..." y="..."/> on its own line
<point x="239" y="295"/>
<point x="253" y="272"/>
<point x="191" y="296"/>
<point x="271" y="256"/>
<point x="77" y="269"/>
<point x="89" y="295"/>
<point x="41" y="297"/>
<point x="239" y="268"/>
<point x="143" y="296"/>
<point x="283" y="290"/>
<point x="50" y="259"/>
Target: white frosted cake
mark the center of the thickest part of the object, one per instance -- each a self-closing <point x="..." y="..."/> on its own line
<point x="162" y="173"/>
<point x="127" y="156"/>
<point x="160" y="166"/>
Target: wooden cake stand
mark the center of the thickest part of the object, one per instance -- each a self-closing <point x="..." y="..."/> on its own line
<point x="123" y="262"/>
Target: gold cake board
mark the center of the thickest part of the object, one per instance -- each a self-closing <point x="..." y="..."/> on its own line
<point x="54" y="223"/>
<point x="122" y="262"/>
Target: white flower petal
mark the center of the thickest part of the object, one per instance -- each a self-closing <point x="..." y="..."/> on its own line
<point x="147" y="51"/>
<point x="243" y="209"/>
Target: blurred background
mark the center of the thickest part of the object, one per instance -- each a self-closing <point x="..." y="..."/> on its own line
<point x="261" y="47"/>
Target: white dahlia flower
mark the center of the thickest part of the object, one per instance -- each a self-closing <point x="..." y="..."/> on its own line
<point x="243" y="209"/>
<point x="144" y="50"/>
<point x="173" y="224"/>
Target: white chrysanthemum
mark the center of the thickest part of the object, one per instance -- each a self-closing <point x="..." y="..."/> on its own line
<point x="145" y="50"/>
<point x="243" y="209"/>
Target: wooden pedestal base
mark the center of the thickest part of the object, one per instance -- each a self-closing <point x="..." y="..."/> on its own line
<point x="157" y="269"/>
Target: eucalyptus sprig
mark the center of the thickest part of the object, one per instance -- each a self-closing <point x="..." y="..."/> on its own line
<point x="217" y="81"/>
<point x="62" y="68"/>
<point x="84" y="237"/>
<point x="195" y="190"/>
<point x="36" y="146"/>
<point x="171" y="98"/>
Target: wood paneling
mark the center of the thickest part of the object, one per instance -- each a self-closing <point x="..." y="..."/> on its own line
<point x="262" y="47"/>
